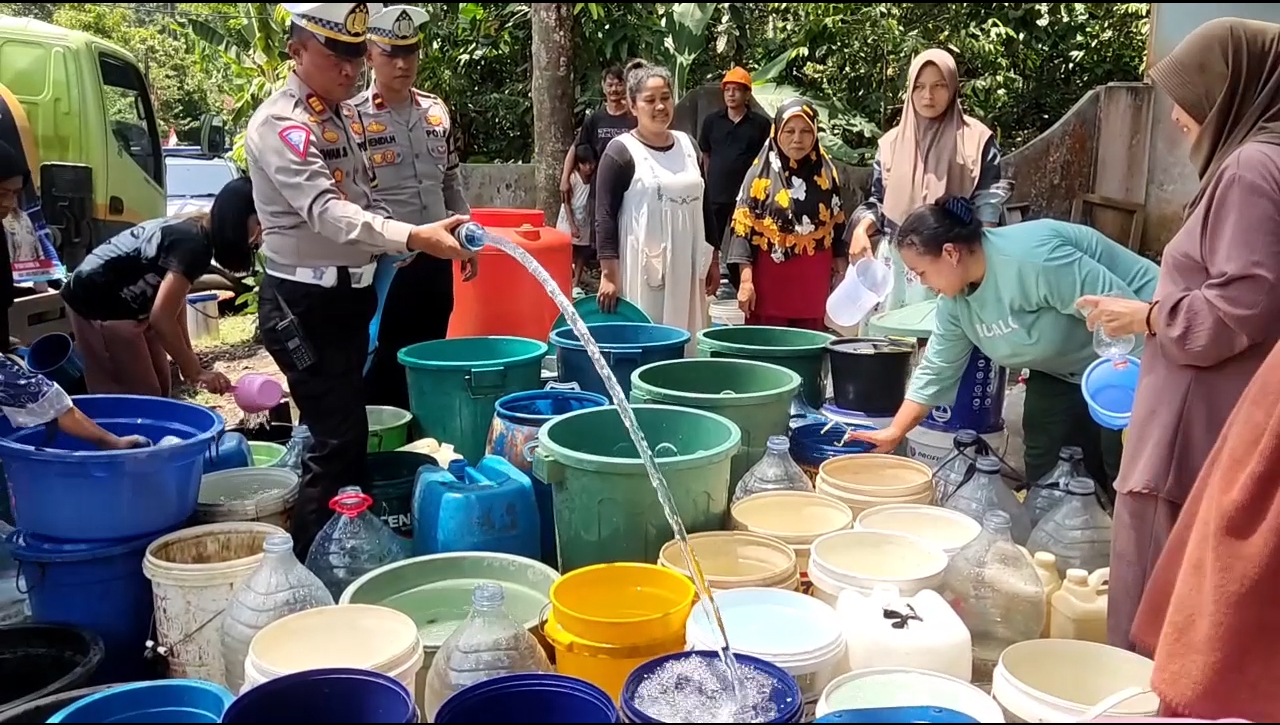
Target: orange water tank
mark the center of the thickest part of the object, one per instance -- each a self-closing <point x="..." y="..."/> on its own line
<point x="505" y="299"/>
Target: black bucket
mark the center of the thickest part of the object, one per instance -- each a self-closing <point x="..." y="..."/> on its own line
<point x="46" y="707"/>
<point x="40" y="660"/>
<point x="271" y="433"/>
<point x="869" y="374"/>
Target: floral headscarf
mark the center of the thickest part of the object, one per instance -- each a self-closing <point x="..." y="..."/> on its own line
<point x="785" y="206"/>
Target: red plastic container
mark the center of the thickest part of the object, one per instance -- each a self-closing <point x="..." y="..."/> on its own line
<point x="505" y="299"/>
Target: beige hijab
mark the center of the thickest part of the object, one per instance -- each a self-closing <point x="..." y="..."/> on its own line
<point x="922" y="159"/>
<point x="1226" y="76"/>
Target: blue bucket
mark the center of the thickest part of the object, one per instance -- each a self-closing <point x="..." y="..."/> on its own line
<point x="528" y="698"/>
<point x="1109" y="391"/>
<point x="54" y="356"/>
<point x="625" y="346"/>
<point x="167" y="701"/>
<point x="979" y="404"/>
<point x="786" y="696"/>
<point x="328" y="695"/>
<point x="897" y="714"/>
<point x="517" y="418"/>
<point x="66" y="489"/>
<point x="99" y="586"/>
<point x="811" y="447"/>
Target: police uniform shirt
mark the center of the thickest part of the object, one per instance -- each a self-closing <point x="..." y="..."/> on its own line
<point x="311" y="183"/>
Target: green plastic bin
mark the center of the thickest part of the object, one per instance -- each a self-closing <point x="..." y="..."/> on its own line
<point x="392" y="475"/>
<point x="266" y="454"/>
<point x="388" y="427"/>
<point x="802" y="351"/>
<point x="454" y="383"/>
<point x="756" y="396"/>
<point x="606" y="509"/>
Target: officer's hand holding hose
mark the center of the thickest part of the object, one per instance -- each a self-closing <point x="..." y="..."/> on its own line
<point x="437" y="239"/>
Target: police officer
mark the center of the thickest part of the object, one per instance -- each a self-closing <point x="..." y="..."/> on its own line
<point x="322" y="232"/>
<point x="411" y="145"/>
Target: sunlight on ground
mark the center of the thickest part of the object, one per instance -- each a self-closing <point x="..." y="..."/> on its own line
<point x="235" y="341"/>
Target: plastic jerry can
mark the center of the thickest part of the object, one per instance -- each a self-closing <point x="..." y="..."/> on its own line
<point x="1079" y="608"/>
<point x="489" y="507"/>
<point x="885" y="629"/>
<point x="232" y="451"/>
<point x="1047" y="567"/>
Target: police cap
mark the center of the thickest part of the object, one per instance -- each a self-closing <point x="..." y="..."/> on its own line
<point x="395" y="29"/>
<point x="342" y="27"/>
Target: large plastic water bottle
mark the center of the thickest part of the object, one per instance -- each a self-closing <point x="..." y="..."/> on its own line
<point x="775" y="471"/>
<point x="300" y="443"/>
<point x="353" y="543"/>
<point x="1077" y="532"/>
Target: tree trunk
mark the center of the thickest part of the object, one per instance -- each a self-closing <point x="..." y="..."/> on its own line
<point x="553" y="99"/>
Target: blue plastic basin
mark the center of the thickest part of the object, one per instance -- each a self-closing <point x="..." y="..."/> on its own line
<point x="625" y="347"/>
<point x="64" y="488"/>
<point x="163" y="701"/>
<point x="1109" y="391"/>
<point x="786" y="696"/>
<point x="324" y="696"/>
<point x="529" y="698"/>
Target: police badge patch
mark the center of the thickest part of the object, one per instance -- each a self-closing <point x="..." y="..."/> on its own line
<point x="297" y="139"/>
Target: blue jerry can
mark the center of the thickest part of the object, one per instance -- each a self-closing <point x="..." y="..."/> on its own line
<point x="488" y="507"/>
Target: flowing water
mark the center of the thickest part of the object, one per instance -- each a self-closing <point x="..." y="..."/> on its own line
<point x="637" y="437"/>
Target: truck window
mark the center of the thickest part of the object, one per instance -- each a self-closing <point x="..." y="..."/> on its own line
<point x="130" y="117"/>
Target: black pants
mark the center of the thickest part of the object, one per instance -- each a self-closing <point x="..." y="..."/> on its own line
<point x="1056" y="415"/>
<point x="329" y="392"/>
<point x="717" y="216"/>
<point x="417" y="309"/>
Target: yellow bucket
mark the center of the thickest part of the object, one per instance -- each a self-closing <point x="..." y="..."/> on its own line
<point x="608" y="619"/>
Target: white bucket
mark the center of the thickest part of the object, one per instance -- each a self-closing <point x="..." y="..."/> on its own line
<point x="265" y="495"/>
<point x="931" y="447"/>
<point x="194" y="573"/>
<point x="1061" y="680"/>
<point x="859" y="560"/>
<point x="726" y="313"/>
<point x="906" y="687"/>
<point x="791" y="630"/>
<point x="202" y="316"/>
<point x="948" y="530"/>
<point x="360" y="636"/>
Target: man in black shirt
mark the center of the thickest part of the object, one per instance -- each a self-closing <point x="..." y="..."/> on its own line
<point x="610" y="120"/>
<point x="730" y="140"/>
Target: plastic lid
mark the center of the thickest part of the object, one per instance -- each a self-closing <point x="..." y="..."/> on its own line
<point x="458" y="469"/>
<point x="1076" y="452"/>
<point x="966" y="438"/>
<point x="910" y="321"/>
<point x="1046" y="558"/>
<point x="770" y="623"/>
<point x="348" y="635"/>
<point x="1081" y="486"/>
<point x="351" y="502"/>
<point x="988" y="464"/>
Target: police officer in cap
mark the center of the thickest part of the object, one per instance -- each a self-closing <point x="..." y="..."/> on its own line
<point x="412" y="148"/>
<point x="322" y="232"/>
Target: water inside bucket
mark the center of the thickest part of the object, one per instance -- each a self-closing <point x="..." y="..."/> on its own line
<point x="693" y="689"/>
<point x="647" y="456"/>
<point x="439" y="608"/>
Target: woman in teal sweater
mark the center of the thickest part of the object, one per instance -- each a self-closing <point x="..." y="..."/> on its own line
<point x="1012" y="292"/>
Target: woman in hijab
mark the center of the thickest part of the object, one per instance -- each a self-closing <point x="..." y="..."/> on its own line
<point x="128" y="297"/>
<point x="1212" y="320"/>
<point x="14" y="177"/>
<point x="934" y="150"/>
<point x="788" y="227"/>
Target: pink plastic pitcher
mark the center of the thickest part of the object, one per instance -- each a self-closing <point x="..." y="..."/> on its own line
<point x="257" y="393"/>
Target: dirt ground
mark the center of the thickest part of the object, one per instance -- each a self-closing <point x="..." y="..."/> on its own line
<point x="235" y="353"/>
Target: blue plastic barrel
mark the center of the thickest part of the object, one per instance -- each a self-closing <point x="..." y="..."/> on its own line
<point x="329" y="695"/>
<point x="979" y="404"/>
<point x="812" y="444"/>
<point x="167" y="701"/>
<point x="896" y="715"/>
<point x="99" y="586"/>
<point x="625" y="347"/>
<point x="54" y="356"/>
<point x="1109" y="391"/>
<point x="517" y="418"/>
<point x="786" y="697"/>
<point x="529" y="698"/>
<point x="64" y="488"/>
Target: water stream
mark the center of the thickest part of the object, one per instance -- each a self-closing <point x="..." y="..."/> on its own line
<point x="637" y="437"/>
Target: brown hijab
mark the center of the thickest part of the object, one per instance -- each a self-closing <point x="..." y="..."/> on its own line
<point x="924" y="158"/>
<point x="1226" y="76"/>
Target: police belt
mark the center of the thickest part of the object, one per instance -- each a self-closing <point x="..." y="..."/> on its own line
<point x="322" y="276"/>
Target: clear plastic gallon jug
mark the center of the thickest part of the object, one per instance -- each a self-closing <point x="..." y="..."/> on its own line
<point x="353" y="543"/>
<point x="1077" y="531"/>
<point x="490" y="507"/>
<point x="1048" y="492"/>
<point x="958" y="466"/>
<point x="995" y="589"/>
<point x="1079" y="608"/>
<point x="489" y="643"/>
<point x="923" y="632"/>
<point x="775" y="471"/>
<point x="985" y="491"/>
<point x="296" y="449"/>
<point x="1046" y="565"/>
<point x="279" y="587"/>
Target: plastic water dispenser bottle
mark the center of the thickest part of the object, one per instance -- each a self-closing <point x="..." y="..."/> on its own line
<point x="471" y="235"/>
<point x="488" y="507"/>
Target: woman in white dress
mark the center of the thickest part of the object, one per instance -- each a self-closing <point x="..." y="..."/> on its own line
<point x="650" y="236"/>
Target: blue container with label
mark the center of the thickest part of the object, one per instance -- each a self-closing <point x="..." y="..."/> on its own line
<point x="979" y="404"/>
